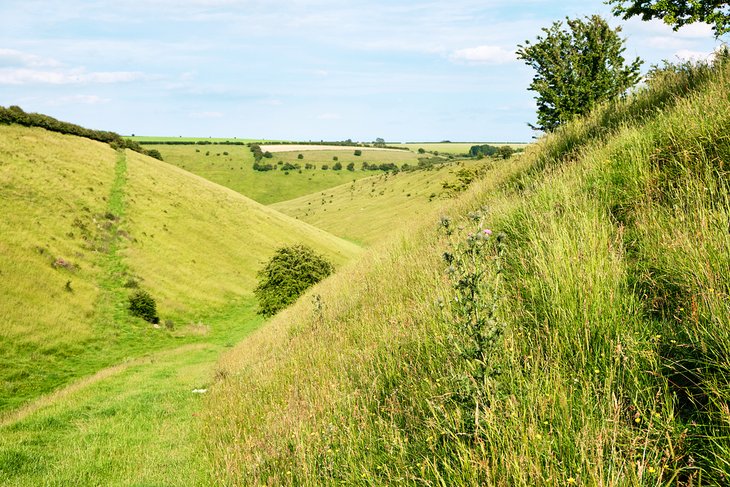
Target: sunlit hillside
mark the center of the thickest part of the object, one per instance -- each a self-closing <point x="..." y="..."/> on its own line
<point x="84" y="226"/>
<point x="565" y="322"/>
<point x="365" y="210"/>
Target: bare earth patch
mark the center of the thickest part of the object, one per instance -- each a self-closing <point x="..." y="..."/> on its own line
<point x="305" y="147"/>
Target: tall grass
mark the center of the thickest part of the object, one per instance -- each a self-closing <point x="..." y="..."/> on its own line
<point x="612" y="358"/>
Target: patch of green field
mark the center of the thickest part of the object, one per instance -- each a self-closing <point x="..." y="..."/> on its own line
<point x="133" y="425"/>
<point x="365" y="210"/>
<point x="456" y="148"/>
<point x="235" y="169"/>
<point x="212" y="140"/>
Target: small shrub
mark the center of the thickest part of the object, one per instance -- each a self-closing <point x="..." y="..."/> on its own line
<point x="337" y="166"/>
<point x="351" y="166"/>
<point x="143" y="305"/>
<point x="300" y="156"/>
<point x="358" y="152"/>
<point x="290" y="272"/>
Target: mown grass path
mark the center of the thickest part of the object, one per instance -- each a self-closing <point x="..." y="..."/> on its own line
<point x="131" y="424"/>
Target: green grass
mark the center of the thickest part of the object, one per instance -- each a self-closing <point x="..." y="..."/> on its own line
<point x="611" y="359"/>
<point x="235" y="170"/>
<point x="134" y="424"/>
<point x="219" y="140"/>
<point x="366" y="210"/>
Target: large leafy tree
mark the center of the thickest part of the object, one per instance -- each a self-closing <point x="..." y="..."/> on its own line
<point x="576" y="68"/>
<point x="678" y="12"/>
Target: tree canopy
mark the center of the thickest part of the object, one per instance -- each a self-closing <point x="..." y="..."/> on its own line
<point x="576" y="68"/>
<point x="678" y="12"/>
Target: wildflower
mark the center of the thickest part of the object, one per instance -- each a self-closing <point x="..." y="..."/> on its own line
<point x="487" y="231"/>
<point x="637" y="419"/>
<point x="651" y="470"/>
<point x="571" y="480"/>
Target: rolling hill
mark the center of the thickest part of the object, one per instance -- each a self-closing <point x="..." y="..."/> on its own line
<point x="85" y="225"/>
<point x="366" y="210"/>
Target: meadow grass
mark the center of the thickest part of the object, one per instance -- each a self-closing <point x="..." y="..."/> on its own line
<point x="366" y="210"/>
<point x="609" y="360"/>
<point x="132" y="424"/>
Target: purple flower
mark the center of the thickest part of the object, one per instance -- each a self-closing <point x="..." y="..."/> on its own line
<point x="487" y="231"/>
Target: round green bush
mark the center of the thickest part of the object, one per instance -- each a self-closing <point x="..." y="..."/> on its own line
<point x="143" y="305"/>
<point x="290" y="272"/>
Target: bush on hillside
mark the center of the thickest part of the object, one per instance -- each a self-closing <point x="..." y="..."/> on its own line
<point x="143" y="305"/>
<point x="358" y="152"/>
<point x="290" y="272"/>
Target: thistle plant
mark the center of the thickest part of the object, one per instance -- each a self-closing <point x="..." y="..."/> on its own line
<point x="475" y="267"/>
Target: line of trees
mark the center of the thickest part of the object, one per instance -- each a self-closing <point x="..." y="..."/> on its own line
<point x="16" y="115"/>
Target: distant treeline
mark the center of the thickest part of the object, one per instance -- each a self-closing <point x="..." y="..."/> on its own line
<point x="486" y="150"/>
<point x="190" y="142"/>
<point x="15" y="114"/>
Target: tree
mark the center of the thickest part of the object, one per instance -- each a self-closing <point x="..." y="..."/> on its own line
<point x="337" y="166"/>
<point x="678" y="12"/>
<point x="576" y="68"/>
<point x="290" y="272"/>
<point x="351" y="166"/>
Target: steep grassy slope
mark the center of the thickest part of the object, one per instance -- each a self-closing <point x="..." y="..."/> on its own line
<point x="235" y="169"/>
<point x="84" y="225"/>
<point x="365" y="210"/>
<point x="588" y="343"/>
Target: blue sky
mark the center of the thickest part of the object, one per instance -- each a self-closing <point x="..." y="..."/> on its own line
<point x="295" y="69"/>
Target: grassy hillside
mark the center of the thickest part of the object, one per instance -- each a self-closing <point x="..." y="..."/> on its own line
<point x="586" y="341"/>
<point x="365" y="210"/>
<point x="85" y="226"/>
<point x="235" y="169"/>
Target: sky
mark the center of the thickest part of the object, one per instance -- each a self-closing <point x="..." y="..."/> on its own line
<point x="403" y="70"/>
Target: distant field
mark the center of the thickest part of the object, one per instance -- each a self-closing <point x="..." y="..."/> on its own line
<point x="312" y="147"/>
<point x="235" y="169"/>
<point x="365" y="210"/>
<point x="148" y="138"/>
<point x="455" y="147"/>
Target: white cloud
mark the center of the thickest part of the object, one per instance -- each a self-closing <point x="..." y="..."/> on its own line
<point x="207" y="114"/>
<point x="329" y="116"/>
<point x="18" y="58"/>
<point x="272" y="102"/>
<point x="20" y="76"/>
<point x="484" y="55"/>
<point x="81" y="99"/>
<point x="694" y="56"/>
